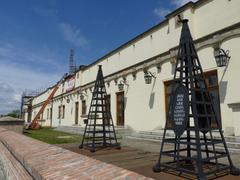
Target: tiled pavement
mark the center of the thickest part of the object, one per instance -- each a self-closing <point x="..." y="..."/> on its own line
<point x="44" y="161"/>
<point x="138" y="156"/>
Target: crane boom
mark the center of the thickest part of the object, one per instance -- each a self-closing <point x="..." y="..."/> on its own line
<point x="35" y="124"/>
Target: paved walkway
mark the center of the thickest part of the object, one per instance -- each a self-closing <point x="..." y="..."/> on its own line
<point x="138" y="156"/>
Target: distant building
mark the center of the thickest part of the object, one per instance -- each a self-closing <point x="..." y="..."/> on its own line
<point x="214" y="24"/>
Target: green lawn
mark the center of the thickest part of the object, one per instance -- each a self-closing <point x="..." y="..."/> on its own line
<point x="50" y="136"/>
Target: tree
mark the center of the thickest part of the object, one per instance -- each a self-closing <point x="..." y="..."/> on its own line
<point x="14" y="113"/>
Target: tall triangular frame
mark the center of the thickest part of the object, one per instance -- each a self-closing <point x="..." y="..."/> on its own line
<point x="194" y="152"/>
<point x="99" y="130"/>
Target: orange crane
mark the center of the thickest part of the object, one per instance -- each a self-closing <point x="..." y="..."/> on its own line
<point x="35" y="124"/>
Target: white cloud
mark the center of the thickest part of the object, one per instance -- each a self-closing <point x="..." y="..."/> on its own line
<point x="14" y="80"/>
<point x="24" y="78"/>
<point x="73" y="35"/>
<point x="22" y="55"/>
<point x="7" y="101"/>
<point x="16" y="76"/>
<point x="179" y="3"/>
<point x="161" y="12"/>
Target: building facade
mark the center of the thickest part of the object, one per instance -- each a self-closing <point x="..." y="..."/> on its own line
<point x="214" y="24"/>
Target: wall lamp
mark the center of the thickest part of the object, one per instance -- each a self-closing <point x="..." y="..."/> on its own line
<point x="82" y="95"/>
<point x="108" y="83"/>
<point x="121" y="85"/>
<point x="222" y="57"/>
<point x="148" y="77"/>
<point x="68" y="100"/>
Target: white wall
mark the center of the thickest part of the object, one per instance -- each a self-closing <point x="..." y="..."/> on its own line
<point x="230" y="76"/>
<point x="205" y="19"/>
<point x="216" y="15"/>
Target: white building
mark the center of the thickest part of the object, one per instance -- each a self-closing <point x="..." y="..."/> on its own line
<point x="214" y="24"/>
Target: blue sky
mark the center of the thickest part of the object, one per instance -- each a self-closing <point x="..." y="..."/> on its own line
<point x="35" y="37"/>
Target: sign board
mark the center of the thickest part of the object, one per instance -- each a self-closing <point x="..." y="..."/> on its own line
<point x="180" y="109"/>
<point x="70" y="84"/>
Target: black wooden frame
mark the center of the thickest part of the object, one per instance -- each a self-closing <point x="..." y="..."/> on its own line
<point x="99" y="130"/>
<point x="194" y="153"/>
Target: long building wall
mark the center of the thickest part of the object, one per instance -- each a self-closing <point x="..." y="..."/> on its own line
<point x="212" y="23"/>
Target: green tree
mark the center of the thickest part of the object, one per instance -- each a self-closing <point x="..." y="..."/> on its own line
<point x="14" y="113"/>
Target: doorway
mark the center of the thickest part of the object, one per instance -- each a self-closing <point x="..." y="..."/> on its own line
<point x="120" y="108"/>
<point x="29" y="111"/>
<point x="50" y="116"/>
<point x="107" y="109"/>
<point x="76" y="112"/>
<point x="211" y="80"/>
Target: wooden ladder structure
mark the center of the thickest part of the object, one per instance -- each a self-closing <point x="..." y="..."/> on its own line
<point x="99" y="130"/>
<point x="35" y="124"/>
<point x="193" y="154"/>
